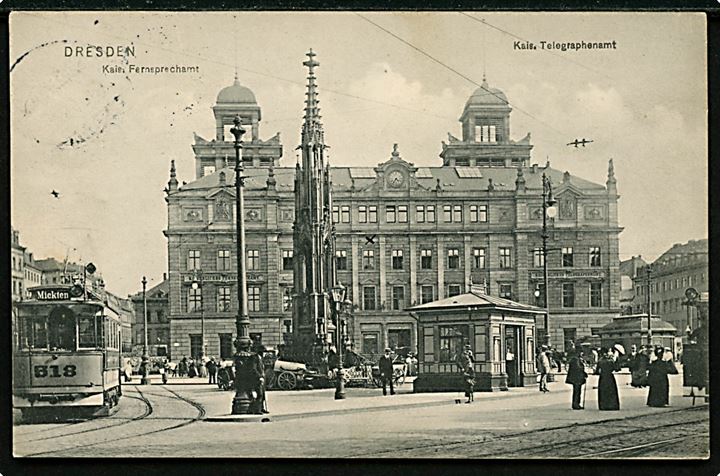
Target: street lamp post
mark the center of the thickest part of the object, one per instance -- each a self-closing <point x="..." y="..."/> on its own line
<point x="243" y="396"/>
<point x="338" y="303"/>
<point x="548" y="210"/>
<point x="648" y="272"/>
<point x="198" y="284"/>
<point x="144" y="371"/>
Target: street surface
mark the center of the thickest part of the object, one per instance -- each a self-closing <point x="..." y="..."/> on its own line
<point x="168" y="420"/>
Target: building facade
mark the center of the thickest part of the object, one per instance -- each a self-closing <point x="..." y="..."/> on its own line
<point x="405" y="235"/>
<point x="17" y="272"/>
<point x="681" y="267"/>
<point x="628" y="273"/>
<point x="158" y="322"/>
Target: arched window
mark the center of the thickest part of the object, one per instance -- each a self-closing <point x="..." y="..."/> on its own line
<point x="61" y="329"/>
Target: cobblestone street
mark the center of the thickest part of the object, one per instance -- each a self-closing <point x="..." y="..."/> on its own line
<point x="163" y="421"/>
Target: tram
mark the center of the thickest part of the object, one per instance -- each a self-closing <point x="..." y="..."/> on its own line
<point x="67" y="358"/>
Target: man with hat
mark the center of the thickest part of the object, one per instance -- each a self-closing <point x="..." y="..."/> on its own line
<point x="543" y="367"/>
<point x="465" y="358"/>
<point x="386" y="371"/>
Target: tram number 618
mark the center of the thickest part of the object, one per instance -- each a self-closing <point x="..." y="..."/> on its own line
<point x="54" y="371"/>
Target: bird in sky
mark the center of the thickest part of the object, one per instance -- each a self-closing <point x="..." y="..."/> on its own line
<point x="55" y="194"/>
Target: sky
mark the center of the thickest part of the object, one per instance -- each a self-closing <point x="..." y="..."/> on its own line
<point x="383" y="78"/>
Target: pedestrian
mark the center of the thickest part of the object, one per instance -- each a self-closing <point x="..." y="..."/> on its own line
<point x="202" y="366"/>
<point x="192" y="369"/>
<point x="212" y="369"/>
<point x="469" y="376"/>
<point x="183" y="367"/>
<point x="465" y="357"/>
<point x="249" y="377"/>
<point x="510" y="366"/>
<point x="576" y="376"/>
<point x="607" y="387"/>
<point x="556" y="357"/>
<point x="127" y="371"/>
<point x="638" y="366"/>
<point x="659" y="393"/>
<point x="543" y="367"/>
<point x="173" y="368"/>
<point x="260" y="351"/>
<point x="386" y="372"/>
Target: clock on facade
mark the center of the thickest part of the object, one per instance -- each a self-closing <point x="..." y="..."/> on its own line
<point x="396" y="178"/>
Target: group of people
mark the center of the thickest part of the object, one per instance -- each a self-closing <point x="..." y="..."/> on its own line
<point x="649" y="368"/>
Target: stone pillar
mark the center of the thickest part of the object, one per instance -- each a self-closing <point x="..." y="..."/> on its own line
<point x="440" y="267"/>
<point x="467" y="262"/>
<point x="219" y="129"/>
<point x="413" y="269"/>
<point x="383" y="274"/>
<point x="255" y="129"/>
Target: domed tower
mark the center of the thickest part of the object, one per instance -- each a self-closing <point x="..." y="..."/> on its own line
<point x="486" y="133"/>
<point x="236" y="100"/>
<point x="211" y="156"/>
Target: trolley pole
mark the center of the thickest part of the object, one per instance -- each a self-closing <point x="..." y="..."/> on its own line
<point x="144" y="371"/>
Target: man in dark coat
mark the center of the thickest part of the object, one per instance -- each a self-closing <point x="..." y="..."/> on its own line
<point x="386" y="372"/>
<point x="249" y="377"/>
<point x="576" y="376"/>
<point x="638" y="364"/>
<point x="212" y="369"/>
<point x="659" y="394"/>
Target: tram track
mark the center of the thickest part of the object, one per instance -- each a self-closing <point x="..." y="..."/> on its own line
<point x="639" y="450"/>
<point x="621" y="428"/>
<point x="112" y="422"/>
<point x="145" y="416"/>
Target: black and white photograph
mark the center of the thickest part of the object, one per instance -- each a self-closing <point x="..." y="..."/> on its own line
<point x="358" y="234"/>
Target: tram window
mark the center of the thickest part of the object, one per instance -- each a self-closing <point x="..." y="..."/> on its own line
<point x="87" y="334"/>
<point x="61" y="329"/>
<point x="33" y="334"/>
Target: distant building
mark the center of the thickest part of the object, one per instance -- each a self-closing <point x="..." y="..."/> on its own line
<point x="158" y="312"/>
<point x="681" y="267"/>
<point x="33" y="274"/>
<point x="628" y="272"/>
<point x="17" y="272"/>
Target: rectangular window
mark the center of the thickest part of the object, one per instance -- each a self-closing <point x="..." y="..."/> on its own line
<point x="87" y="332"/>
<point x="595" y="256"/>
<point x="253" y="259"/>
<point x="397" y="259"/>
<point x="368" y="259"/>
<point x="370" y="343"/>
<point x="453" y="258"/>
<point x="567" y="256"/>
<point x="253" y="298"/>
<point x="372" y="214"/>
<point x="398" y="298"/>
<point x="226" y="346"/>
<point x="473" y="213"/>
<point x="447" y="213"/>
<point x="595" y="294"/>
<point x="506" y="290"/>
<point x="453" y="290"/>
<point x="369" y="298"/>
<point x="196" y="346"/>
<point x="457" y="214"/>
<point x="194" y="299"/>
<point x="362" y="214"/>
<point x="223" y="298"/>
<point x="430" y="213"/>
<point x="193" y="261"/>
<point x="569" y="336"/>
<point x="427" y="294"/>
<point x="390" y="214"/>
<point x="426" y="259"/>
<point x="287" y="260"/>
<point x="341" y="259"/>
<point x="505" y="260"/>
<point x="287" y="299"/>
<point x="336" y="214"/>
<point x="452" y="341"/>
<point x="420" y="214"/>
<point x="538" y="258"/>
<point x="345" y="214"/>
<point x="539" y="294"/>
<point x="478" y="258"/>
<point x="402" y="213"/>
<point x="568" y="295"/>
<point x="223" y="260"/>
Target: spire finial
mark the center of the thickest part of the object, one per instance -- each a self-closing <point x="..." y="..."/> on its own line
<point x="312" y="111"/>
<point x="172" y="183"/>
<point x="611" y="174"/>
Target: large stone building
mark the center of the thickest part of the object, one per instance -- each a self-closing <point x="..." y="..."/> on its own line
<point x="681" y="267"/>
<point x="628" y="272"/>
<point x="406" y="234"/>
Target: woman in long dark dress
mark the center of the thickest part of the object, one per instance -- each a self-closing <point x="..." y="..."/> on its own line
<point x="659" y="394"/>
<point x="607" y="387"/>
